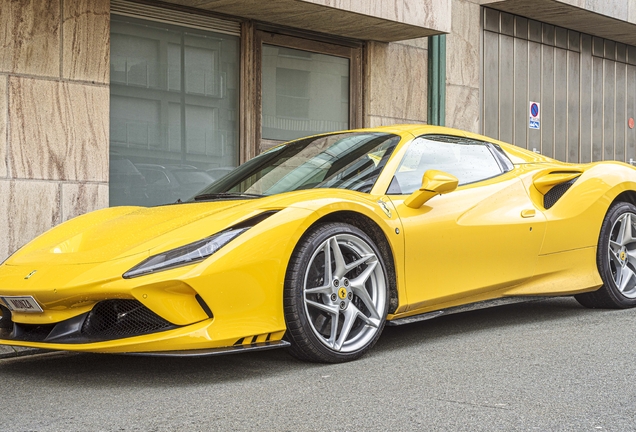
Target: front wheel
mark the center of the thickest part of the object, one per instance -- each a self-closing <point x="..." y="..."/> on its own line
<point x="616" y="260"/>
<point x="336" y="294"/>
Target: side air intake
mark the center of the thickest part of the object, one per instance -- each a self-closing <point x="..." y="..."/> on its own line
<point x="554" y="194"/>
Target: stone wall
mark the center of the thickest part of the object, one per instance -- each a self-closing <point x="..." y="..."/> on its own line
<point x="396" y="77"/>
<point x="54" y="111"/>
<point x="463" y="63"/>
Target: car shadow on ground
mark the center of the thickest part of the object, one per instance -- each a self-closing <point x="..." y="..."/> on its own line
<point x="107" y="370"/>
<point x="521" y="315"/>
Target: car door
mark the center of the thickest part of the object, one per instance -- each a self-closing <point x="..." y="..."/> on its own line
<point x="484" y="236"/>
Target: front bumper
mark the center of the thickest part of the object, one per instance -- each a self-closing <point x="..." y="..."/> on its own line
<point x="192" y="338"/>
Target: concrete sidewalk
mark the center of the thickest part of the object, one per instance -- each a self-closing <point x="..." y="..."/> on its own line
<point x="9" y="351"/>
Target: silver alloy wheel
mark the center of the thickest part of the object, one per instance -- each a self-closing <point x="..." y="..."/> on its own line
<point x="344" y="293"/>
<point x="622" y="254"/>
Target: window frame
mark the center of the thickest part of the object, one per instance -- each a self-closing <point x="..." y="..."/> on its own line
<point x="353" y="53"/>
<point x="497" y="153"/>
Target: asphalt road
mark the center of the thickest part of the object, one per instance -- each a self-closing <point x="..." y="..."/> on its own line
<point x="546" y="365"/>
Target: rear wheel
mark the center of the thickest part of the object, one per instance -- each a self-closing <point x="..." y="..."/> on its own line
<point x="616" y="260"/>
<point x="335" y="295"/>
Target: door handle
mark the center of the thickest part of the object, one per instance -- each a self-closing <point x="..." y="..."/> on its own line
<point x="528" y="213"/>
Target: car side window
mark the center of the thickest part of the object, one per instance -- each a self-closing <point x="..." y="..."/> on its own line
<point x="468" y="160"/>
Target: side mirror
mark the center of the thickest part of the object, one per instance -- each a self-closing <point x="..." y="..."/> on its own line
<point x="434" y="183"/>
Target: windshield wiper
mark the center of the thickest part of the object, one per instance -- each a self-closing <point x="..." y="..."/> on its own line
<point x="211" y="196"/>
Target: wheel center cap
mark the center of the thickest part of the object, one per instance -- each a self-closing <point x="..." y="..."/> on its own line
<point x="623" y="256"/>
<point x="342" y="293"/>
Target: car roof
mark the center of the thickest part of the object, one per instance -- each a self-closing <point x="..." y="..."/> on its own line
<point x="517" y="154"/>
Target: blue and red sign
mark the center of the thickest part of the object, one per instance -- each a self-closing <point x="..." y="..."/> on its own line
<point x="534" y="109"/>
<point x="535" y="115"/>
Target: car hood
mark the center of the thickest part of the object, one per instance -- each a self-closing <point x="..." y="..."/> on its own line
<point x="121" y="232"/>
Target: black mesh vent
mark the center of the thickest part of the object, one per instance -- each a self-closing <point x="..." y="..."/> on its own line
<point x="556" y="193"/>
<point x="112" y="319"/>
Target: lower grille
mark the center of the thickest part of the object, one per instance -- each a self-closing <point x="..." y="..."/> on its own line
<point x="112" y="319"/>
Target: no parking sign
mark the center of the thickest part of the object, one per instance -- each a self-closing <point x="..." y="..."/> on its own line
<point x="535" y="115"/>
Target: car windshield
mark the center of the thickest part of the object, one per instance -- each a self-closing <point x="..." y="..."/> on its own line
<point x="351" y="161"/>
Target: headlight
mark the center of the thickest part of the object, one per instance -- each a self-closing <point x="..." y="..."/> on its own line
<point x="184" y="255"/>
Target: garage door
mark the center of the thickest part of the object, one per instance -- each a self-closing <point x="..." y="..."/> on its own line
<point x="584" y="88"/>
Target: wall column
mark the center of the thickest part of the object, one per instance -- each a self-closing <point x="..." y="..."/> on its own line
<point x="54" y="114"/>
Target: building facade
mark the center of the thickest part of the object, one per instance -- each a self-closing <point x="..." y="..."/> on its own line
<point x="120" y="102"/>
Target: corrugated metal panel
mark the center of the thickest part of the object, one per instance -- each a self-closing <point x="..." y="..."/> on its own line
<point x="586" y="99"/>
<point x="547" y="100"/>
<point x="630" y="153"/>
<point x="560" y="103"/>
<point x="597" y="109"/>
<point x="585" y="85"/>
<point x="574" y="105"/>
<point x="171" y="16"/>
<point x="534" y="88"/>
<point x="621" y="115"/>
<point x="506" y="88"/>
<point x="521" y="93"/>
<point x="609" y="108"/>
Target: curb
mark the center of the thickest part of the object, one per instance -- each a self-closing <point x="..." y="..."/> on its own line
<point x="10" y="351"/>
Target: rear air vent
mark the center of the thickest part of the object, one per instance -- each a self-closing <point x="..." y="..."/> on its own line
<point x="554" y="194"/>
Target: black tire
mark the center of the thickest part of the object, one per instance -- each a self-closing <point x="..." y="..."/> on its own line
<point x="310" y="315"/>
<point x="610" y="296"/>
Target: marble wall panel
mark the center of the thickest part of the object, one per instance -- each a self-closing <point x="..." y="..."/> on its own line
<point x="338" y="4"/>
<point x="618" y="9"/>
<point x="462" y="45"/>
<point x="80" y="198"/>
<point x="425" y="13"/>
<point x="381" y="20"/>
<point x="462" y="108"/>
<point x="27" y="209"/>
<point x="30" y="37"/>
<point x="377" y="121"/>
<point x="396" y="81"/>
<point x="417" y="42"/>
<point x="3" y="126"/>
<point x="429" y="13"/>
<point x="59" y="131"/>
<point x="576" y="3"/>
<point x="86" y="40"/>
<point x="388" y="9"/>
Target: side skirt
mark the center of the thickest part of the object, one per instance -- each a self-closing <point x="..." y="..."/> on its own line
<point x="215" y="351"/>
<point x="464" y="308"/>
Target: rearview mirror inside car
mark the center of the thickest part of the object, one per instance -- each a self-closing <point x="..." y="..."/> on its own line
<point x="434" y="183"/>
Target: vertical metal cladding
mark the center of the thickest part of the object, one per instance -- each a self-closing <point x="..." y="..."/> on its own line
<point x="585" y="85"/>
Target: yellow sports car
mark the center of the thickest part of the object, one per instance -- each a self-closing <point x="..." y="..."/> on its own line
<point x="316" y="244"/>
